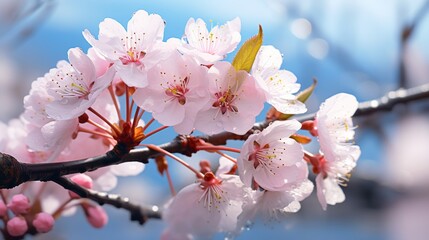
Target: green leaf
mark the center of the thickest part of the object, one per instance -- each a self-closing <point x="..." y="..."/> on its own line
<point x="247" y="53"/>
<point x="306" y="93"/>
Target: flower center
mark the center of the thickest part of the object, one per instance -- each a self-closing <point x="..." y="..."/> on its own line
<point x="132" y="56"/>
<point x="71" y="84"/>
<point x="225" y="101"/>
<point x="261" y="155"/>
<point x="213" y="195"/>
<point x="178" y="91"/>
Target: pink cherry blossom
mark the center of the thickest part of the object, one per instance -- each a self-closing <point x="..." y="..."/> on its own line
<point x="17" y="226"/>
<point x="270" y="204"/>
<point x="278" y="85"/>
<point x="335" y="133"/>
<point x="272" y="159"/>
<point x="43" y="222"/>
<point x="75" y="86"/>
<point x="44" y="134"/>
<point x="203" y="209"/>
<point x="208" y="47"/>
<point x="235" y="101"/>
<point x="19" y="204"/>
<point x="134" y="50"/>
<point x="177" y="90"/>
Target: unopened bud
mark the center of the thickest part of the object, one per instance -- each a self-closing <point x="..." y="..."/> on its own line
<point x="19" y="204"/>
<point x="205" y="166"/>
<point x="82" y="180"/>
<point x="43" y="222"/>
<point x="17" y="226"/>
<point x="96" y="215"/>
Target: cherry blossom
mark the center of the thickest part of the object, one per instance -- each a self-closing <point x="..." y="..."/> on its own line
<point x="235" y="101"/>
<point x="44" y="133"/>
<point x="208" y="47"/>
<point x="335" y="133"/>
<point x="271" y="159"/>
<point x="135" y="50"/>
<point x="278" y="85"/>
<point x="270" y="204"/>
<point x="205" y="208"/>
<point x="176" y="92"/>
<point x="74" y="86"/>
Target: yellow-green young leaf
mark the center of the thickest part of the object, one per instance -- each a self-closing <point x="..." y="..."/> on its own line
<point x="306" y="93"/>
<point x="247" y="53"/>
<point x="273" y="114"/>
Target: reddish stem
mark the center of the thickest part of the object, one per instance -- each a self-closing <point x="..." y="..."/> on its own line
<point x="217" y="148"/>
<point x="227" y="156"/>
<point x="57" y="212"/>
<point x="127" y="102"/>
<point x="148" y="124"/>
<point x="81" y="129"/>
<point x="114" y="128"/>
<point x="155" y="131"/>
<point x="158" y="149"/>
<point x="115" y="102"/>
<point x="137" y="116"/>
<point x="170" y="182"/>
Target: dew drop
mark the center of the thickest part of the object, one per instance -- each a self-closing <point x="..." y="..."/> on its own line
<point x="248" y="225"/>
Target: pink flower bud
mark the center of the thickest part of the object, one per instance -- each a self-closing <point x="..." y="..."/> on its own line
<point x="96" y="215"/>
<point x="17" y="226"/>
<point x="19" y="204"/>
<point x="43" y="222"/>
<point x="3" y="209"/>
<point x="82" y="180"/>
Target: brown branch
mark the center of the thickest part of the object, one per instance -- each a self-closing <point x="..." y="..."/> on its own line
<point x="14" y="173"/>
<point x="138" y="213"/>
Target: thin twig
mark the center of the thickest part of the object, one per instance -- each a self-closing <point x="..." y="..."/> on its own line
<point x="138" y="213"/>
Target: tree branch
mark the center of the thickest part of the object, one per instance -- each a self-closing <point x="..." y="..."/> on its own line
<point x="14" y="173"/>
<point x="138" y="213"/>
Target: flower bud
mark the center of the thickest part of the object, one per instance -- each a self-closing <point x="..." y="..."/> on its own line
<point x="3" y="209"/>
<point x="83" y="181"/>
<point x="96" y="215"/>
<point x="43" y="222"/>
<point x="19" y="204"/>
<point x="17" y="226"/>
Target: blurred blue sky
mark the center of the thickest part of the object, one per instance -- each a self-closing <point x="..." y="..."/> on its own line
<point x="349" y="46"/>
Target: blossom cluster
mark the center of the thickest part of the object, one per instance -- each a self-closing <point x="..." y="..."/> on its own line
<point x="73" y="112"/>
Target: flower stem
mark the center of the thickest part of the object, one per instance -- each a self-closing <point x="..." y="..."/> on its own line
<point x="155" y="131"/>
<point x="81" y="129"/>
<point x="127" y="104"/>
<point x="170" y="182"/>
<point x="137" y="116"/>
<point x="115" y="102"/>
<point x="57" y="212"/>
<point x="217" y="148"/>
<point x="114" y="128"/>
<point x="148" y="124"/>
<point x="158" y="149"/>
<point x="227" y="156"/>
